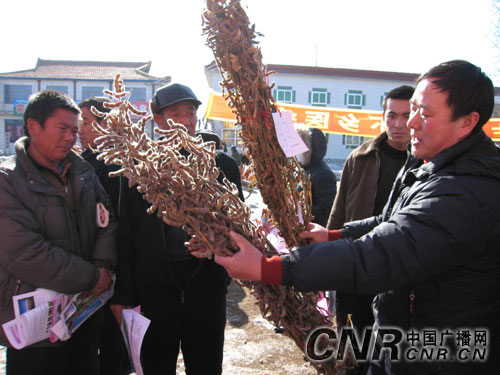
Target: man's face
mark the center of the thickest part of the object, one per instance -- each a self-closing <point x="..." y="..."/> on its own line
<point x="432" y="129"/>
<point x="183" y="112"/>
<point x="396" y="116"/>
<point x="86" y="132"/>
<point x="52" y="143"/>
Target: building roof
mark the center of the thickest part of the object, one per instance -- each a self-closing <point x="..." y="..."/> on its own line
<point x="335" y="72"/>
<point x="87" y="70"/>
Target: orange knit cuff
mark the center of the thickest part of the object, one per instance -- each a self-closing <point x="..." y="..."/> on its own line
<point x="271" y="270"/>
<point x="334" y="235"/>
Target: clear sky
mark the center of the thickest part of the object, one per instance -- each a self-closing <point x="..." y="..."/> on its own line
<point x="393" y="35"/>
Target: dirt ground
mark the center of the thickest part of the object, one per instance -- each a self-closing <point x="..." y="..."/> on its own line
<point x="251" y="346"/>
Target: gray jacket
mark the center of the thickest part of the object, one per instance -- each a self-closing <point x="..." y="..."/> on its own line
<point x="37" y="247"/>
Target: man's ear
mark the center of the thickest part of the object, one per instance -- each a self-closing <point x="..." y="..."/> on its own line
<point x="33" y="126"/>
<point x="160" y="120"/>
<point x="470" y="121"/>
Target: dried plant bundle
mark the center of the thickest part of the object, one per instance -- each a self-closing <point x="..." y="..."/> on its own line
<point x="177" y="175"/>
<point x="282" y="182"/>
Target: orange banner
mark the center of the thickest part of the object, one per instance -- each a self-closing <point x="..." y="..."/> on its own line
<point x="330" y="120"/>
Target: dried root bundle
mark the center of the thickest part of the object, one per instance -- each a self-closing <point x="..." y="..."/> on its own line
<point x="233" y="42"/>
<point x="282" y="183"/>
<point x="177" y="175"/>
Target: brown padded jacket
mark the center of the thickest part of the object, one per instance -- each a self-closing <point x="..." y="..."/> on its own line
<point x="358" y="185"/>
<point x="36" y="248"/>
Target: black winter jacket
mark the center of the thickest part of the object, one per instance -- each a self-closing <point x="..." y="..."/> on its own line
<point x="439" y="236"/>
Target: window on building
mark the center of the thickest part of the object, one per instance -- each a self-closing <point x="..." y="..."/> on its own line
<point x="89" y="91"/>
<point x="63" y="89"/>
<point x="138" y="94"/>
<point x="352" y="141"/>
<point x="14" y="128"/>
<point x="13" y="92"/>
<point x="354" y="99"/>
<point x="382" y="98"/>
<point x="284" y="94"/>
<point x="319" y="97"/>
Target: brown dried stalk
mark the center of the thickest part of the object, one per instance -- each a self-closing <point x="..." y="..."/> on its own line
<point x="177" y="175"/>
<point x="233" y="42"/>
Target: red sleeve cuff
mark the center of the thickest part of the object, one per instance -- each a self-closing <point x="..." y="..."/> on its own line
<point x="271" y="270"/>
<point x="334" y="235"/>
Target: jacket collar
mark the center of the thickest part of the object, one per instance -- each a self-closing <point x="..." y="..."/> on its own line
<point x="474" y="155"/>
<point x="370" y="147"/>
<point x="35" y="178"/>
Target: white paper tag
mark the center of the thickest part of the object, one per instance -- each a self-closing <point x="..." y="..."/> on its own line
<point x="289" y="140"/>
<point x="299" y="214"/>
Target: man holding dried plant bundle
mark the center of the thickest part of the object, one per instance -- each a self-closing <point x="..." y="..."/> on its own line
<point x="433" y="256"/>
<point x="184" y="296"/>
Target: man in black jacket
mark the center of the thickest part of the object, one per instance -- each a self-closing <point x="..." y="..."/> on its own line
<point x="433" y="256"/>
<point x="184" y="296"/>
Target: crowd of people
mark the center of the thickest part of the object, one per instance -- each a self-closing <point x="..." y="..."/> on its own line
<point x="413" y="233"/>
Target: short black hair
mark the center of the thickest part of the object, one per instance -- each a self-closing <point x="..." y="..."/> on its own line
<point x="404" y="92"/>
<point x="98" y="103"/>
<point x="469" y="89"/>
<point x="42" y="104"/>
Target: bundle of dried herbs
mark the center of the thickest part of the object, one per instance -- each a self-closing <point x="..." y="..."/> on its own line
<point x="282" y="183"/>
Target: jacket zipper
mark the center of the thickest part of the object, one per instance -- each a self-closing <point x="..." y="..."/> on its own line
<point x="192" y="275"/>
<point x="412" y="307"/>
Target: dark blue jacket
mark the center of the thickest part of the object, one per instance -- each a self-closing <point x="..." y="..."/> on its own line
<point x="438" y="237"/>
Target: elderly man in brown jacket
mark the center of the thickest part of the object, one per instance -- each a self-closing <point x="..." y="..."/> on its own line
<point x="51" y="235"/>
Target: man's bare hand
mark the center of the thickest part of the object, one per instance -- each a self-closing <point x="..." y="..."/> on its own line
<point x="316" y="233"/>
<point x="104" y="282"/>
<point x="117" y="312"/>
<point x="245" y="264"/>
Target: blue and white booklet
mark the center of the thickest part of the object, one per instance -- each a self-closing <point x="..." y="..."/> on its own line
<point x="45" y="314"/>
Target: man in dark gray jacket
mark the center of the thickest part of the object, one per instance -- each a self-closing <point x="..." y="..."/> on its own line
<point x="51" y="235"/>
<point x="433" y="256"/>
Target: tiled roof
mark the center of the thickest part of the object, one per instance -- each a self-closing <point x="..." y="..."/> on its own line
<point x="335" y="72"/>
<point x="340" y="72"/>
<point x="87" y="70"/>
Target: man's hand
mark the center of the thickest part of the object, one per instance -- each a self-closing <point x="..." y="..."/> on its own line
<point x="104" y="282"/>
<point x="117" y="312"/>
<point x="245" y="264"/>
<point x="316" y="233"/>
